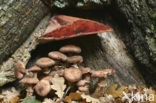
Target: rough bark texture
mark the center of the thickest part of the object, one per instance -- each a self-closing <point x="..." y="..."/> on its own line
<point x="140" y="36"/>
<point x="18" y="18"/>
<point x="23" y="53"/>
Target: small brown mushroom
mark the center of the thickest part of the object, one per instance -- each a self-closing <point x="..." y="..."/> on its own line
<point x="70" y="49"/>
<point x="102" y="73"/>
<point x="82" y="83"/>
<point x="75" y="59"/>
<point x="83" y="89"/>
<point x="43" y="88"/>
<point x="72" y="74"/>
<point x="85" y="70"/>
<point x="34" y="69"/>
<point x="29" y="83"/>
<point x="19" y="70"/>
<point x="48" y="78"/>
<point x="45" y="62"/>
<point x="87" y="77"/>
<point x="46" y="70"/>
<point x="28" y="80"/>
<point x="56" y="55"/>
<point x="60" y="72"/>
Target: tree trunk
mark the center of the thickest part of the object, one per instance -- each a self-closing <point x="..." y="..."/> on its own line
<point x="18" y="18"/>
<point x="138" y="32"/>
<point x="140" y="36"/>
<point x="130" y="49"/>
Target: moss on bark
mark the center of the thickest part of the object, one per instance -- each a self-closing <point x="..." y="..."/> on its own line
<point x="18" y="18"/>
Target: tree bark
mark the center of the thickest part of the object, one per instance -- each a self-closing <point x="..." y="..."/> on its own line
<point x="130" y="49"/>
<point x="18" y="18"/>
<point x="140" y="35"/>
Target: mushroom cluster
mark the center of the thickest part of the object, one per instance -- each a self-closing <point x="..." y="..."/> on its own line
<point x="65" y="63"/>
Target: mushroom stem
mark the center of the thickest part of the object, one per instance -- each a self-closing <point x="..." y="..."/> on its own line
<point x="29" y="91"/>
<point x="35" y="75"/>
<point x="75" y="66"/>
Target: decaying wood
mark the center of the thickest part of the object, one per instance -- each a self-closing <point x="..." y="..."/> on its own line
<point x="103" y="51"/>
<point x="130" y="18"/>
<point x="23" y="53"/>
<point x="18" y="18"/>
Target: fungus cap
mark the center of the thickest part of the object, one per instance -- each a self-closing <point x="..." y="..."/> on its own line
<point x="34" y="69"/>
<point x="28" y="80"/>
<point x="75" y="59"/>
<point x="18" y="75"/>
<point x="85" y="70"/>
<point x="70" y="49"/>
<point x="43" y="88"/>
<point x="82" y="83"/>
<point x="19" y="69"/>
<point x="64" y="27"/>
<point x="102" y="73"/>
<point x="83" y="89"/>
<point x="45" y="62"/>
<point x="72" y="74"/>
<point x="57" y="55"/>
<point x="48" y="78"/>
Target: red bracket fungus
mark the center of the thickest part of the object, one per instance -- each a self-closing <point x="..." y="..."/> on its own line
<point x="63" y="27"/>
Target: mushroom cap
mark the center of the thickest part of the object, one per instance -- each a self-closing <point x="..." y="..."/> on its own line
<point x="70" y="49"/>
<point x="19" y="70"/>
<point x="102" y="73"/>
<point x="82" y="83"/>
<point x="28" y="80"/>
<point x="83" y="89"/>
<point x="87" y="77"/>
<point x="48" y="78"/>
<point x="72" y="74"/>
<point x="43" y="87"/>
<point x="34" y="69"/>
<point x="57" y="55"/>
<point x="45" y="62"/>
<point x="75" y="59"/>
<point x="18" y="75"/>
<point x="85" y="70"/>
<point x="60" y="72"/>
<point x="20" y="67"/>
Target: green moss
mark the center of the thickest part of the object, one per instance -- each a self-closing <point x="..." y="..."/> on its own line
<point x="154" y="18"/>
<point x="29" y="100"/>
<point x="78" y="3"/>
<point x="152" y="46"/>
